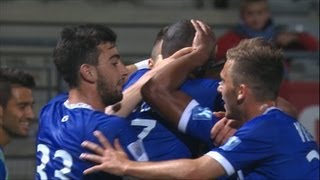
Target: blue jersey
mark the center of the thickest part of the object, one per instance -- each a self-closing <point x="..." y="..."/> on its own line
<point x="62" y="129"/>
<point x="3" y="167"/>
<point x="200" y="124"/>
<point x="271" y="146"/>
<point x="160" y="140"/>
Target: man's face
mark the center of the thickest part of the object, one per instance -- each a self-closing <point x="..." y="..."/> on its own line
<point x="18" y="113"/>
<point x="111" y="74"/>
<point x="229" y="91"/>
<point x="256" y="15"/>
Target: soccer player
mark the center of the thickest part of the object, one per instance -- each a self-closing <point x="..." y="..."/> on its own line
<point x="87" y="58"/>
<point x="162" y="140"/>
<point x="16" y="108"/>
<point x="269" y="145"/>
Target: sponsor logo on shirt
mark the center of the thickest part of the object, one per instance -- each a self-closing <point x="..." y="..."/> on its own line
<point x="137" y="151"/>
<point x="231" y="143"/>
<point x="201" y="113"/>
<point x="65" y="118"/>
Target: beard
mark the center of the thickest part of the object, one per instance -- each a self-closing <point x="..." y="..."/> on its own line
<point x="108" y="95"/>
<point x="14" y="134"/>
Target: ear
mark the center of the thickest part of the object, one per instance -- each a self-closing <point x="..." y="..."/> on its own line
<point x="88" y="73"/>
<point x="150" y="63"/>
<point x="242" y="92"/>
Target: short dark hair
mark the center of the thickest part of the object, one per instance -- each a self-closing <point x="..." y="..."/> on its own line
<point x="180" y="35"/>
<point x="78" y="45"/>
<point x="155" y="50"/>
<point x="177" y="36"/>
<point x="11" y="77"/>
<point x="258" y="64"/>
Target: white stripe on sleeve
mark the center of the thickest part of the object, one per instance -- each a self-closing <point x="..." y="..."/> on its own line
<point x="183" y="122"/>
<point x="223" y="161"/>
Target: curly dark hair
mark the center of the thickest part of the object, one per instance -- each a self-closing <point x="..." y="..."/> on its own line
<point x="78" y="45"/>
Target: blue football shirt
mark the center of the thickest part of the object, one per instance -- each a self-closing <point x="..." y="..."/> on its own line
<point x="161" y="141"/>
<point x="271" y="146"/>
<point x="62" y="129"/>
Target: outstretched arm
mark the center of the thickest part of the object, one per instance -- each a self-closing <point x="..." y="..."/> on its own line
<point x="161" y="91"/>
<point x="115" y="161"/>
<point x="132" y="95"/>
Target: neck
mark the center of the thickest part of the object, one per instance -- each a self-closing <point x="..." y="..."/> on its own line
<point x="87" y="96"/>
<point x="4" y="138"/>
<point x="257" y="109"/>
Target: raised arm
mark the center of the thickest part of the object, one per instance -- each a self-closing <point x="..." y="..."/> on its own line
<point x="161" y="91"/>
<point x="171" y="103"/>
<point x="132" y="95"/>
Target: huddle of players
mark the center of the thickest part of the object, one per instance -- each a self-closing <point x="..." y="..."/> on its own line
<point x="87" y="59"/>
<point x="161" y="139"/>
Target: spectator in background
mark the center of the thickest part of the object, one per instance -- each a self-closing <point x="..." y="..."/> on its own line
<point x="16" y="108"/>
<point x="256" y="21"/>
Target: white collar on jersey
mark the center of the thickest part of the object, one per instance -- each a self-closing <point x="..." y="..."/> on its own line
<point x="77" y="105"/>
<point x="270" y="108"/>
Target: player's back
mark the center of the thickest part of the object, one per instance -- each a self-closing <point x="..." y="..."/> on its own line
<point x="204" y="91"/>
<point x="161" y="141"/>
<point x="62" y="129"/>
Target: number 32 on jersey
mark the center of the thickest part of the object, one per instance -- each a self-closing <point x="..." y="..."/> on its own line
<point x="58" y="154"/>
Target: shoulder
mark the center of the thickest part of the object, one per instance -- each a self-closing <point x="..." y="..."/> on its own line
<point x="60" y="97"/>
<point x="270" y="124"/>
<point x="56" y="100"/>
<point x="109" y="121"/>
<point x="134" y="77"/>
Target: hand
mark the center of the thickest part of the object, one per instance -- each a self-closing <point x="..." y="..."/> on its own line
<point x="109" y="159"/>
<point x="224" y="129"/>
<point x="219" y="114"/>
<point x="204" y="38"/>
<point x="163" y="62"/>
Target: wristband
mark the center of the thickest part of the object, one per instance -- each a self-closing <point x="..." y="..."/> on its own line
<point x="144" y="64"/>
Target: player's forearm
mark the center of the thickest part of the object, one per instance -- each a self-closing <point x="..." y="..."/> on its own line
<point x="162" y="93"/>
<point x="177" y="169"/>
<point x="131" y="97"/>
<point x="174" y="75"/>
<point x="129" y="101"/>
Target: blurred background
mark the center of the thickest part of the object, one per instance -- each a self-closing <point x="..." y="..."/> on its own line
<point x="29" y="30"/>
